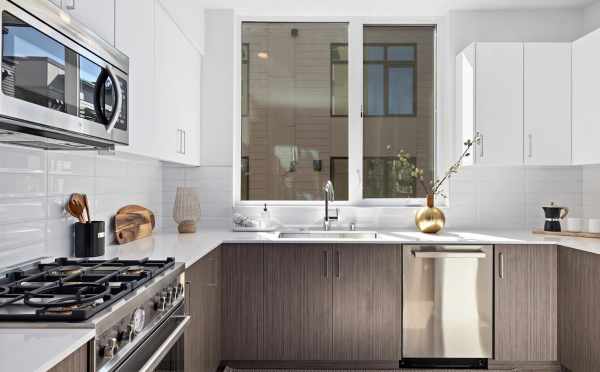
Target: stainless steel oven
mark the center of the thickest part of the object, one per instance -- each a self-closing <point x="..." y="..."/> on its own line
<point x="59" y="80"/>
<point x="447" y="306"/>
<point x="162" y="350"/>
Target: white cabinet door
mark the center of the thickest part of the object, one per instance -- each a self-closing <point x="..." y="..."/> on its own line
<point x="499" y="103"/>
<point x="465" y="97"/>
<point x="177" y="74"/>
<point x="547" y="103"/>
<point x="136" y="40"/>
<point x="97" y="15"/>
<point x="586" y="105"/>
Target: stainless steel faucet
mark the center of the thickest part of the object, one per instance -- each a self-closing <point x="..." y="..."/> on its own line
<point x="329" y="197"/>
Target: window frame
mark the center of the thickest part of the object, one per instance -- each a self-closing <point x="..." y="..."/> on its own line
<point x="387" y="65"/>
<point x="356" y="25"/>
<point x="246" y="64"/>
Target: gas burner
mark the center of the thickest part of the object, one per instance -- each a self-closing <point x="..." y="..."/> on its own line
<point x="72" y="289"/>
<point x="66" y="270"/>
<point x="70" y="294"/>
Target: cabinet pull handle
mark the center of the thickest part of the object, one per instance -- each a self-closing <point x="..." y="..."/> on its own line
<point x="184" y="142"/>
<point x="501" y="265"/>
<point x="188" y="297"/>
<point x="480" y="144"/>
<point x="530" y="136"/>
<point x="70" y="7"/>
<point x="338" y="257"/>
<point x="325" y="263"/>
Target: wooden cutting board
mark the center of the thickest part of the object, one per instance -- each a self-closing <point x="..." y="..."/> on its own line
<point x="133" y="222"/>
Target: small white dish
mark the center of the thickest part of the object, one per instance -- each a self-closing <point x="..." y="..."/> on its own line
<point x="574" y="224"/>
<point x="594" y="225"/>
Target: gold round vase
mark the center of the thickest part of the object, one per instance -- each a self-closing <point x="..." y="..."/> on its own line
<point x="430" y="219"/>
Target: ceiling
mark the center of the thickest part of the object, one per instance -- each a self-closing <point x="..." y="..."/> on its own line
<point x="384" y="7"/>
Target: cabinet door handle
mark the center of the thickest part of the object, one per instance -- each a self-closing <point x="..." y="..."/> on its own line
<point x="501" y="265"/>
<point x="325" y="263"/>
<point x="71" y="6"/>
<point x="184" y="142"/>
<point x="338" y="273"/>
<point x="480" y="144"/>
<point x="530" y="136"/>
<point x="188" y="297"/>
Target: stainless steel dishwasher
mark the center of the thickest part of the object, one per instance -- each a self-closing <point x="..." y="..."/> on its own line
<point x="447" y="306"/>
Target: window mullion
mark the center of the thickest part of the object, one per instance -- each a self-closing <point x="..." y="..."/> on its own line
<point x="355" y="121"/>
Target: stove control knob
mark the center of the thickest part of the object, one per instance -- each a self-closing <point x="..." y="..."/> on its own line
<point x="110" y="349"/>
<point x="170" y="295"/>
<point x="179" y="289"/>
<point x="162" y="302"/>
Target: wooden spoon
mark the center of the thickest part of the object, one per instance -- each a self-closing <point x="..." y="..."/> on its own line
<point x="87" y="208"/>
<point x="76" y="207"/>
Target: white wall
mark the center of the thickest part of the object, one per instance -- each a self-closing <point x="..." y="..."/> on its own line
<point x="35" y="186"/>
<point x="480" y="197"/>
<point x="189" y="16"/>
<point x="591" y="18"/>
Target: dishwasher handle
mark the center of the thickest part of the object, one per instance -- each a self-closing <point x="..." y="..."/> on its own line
<point x="449" y="254"/>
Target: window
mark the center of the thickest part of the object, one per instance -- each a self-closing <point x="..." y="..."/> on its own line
<point x="339" y="80"/>
<point x="398" y="74"/>
<point x="245" y="78"/>
<point x="295" y="137"/>
<point x="289" y="135"/>
<point x="390" y="79"/>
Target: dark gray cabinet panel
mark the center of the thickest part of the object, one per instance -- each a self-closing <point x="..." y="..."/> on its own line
<point x="579" y="310"/>
<point x="203" y="336"/>
<point x="297" y="302"/>
<point x="526" y="303"/>
<point x="242" y="300"/>
<point x="367" y="313"/>
<point x="76" y="362"/>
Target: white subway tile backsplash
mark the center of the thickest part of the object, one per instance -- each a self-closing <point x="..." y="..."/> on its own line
<point x="35" y="186"/>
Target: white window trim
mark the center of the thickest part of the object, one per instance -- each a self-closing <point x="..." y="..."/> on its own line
<point x="355" y="101"/>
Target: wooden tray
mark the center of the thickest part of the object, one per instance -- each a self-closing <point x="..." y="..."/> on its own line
<point x="133" y="222"/>
<point x="568" y="233"/>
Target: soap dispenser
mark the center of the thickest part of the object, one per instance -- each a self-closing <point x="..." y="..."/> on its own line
<point x="265" y="217"/>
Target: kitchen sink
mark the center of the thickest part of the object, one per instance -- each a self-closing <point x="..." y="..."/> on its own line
<point x="358" y="235"/>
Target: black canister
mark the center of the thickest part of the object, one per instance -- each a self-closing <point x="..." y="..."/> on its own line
<point x="553" y="215"/>
<point x="89" y="239"/>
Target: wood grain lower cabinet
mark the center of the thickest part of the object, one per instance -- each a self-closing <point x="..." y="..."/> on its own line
<point x="367" y="295"/>
<point x="203" y="303"/>
<point x="297" y="319"/>
<point x="579" y="310"/>
<point x="526" y="303"/>
<point x="76" y="362"/>
<point x="242" y="300"/>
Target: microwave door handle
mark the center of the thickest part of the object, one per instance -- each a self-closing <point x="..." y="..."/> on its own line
<point x="166" y="346"/>
<point x="117" y="111"/>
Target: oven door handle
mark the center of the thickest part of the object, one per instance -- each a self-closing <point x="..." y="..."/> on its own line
<point x="119" y="98"/>
<point x="449" y="254"/>
<point x="166" y="346"/>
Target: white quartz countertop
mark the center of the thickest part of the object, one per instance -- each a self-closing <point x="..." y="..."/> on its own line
<point x="189" y="248"/>
<point x="34" y="350"/>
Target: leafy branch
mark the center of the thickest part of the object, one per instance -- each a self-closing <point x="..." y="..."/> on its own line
<point x="435" y="187"/>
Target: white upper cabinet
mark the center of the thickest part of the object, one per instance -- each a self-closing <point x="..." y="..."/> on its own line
<point x="499" y="103"/>
<point x="586" y="106"/>
<point x="97" y="15"/>
<point x="517" y="96"/>
<point x="177" y="71"/>
<point x="136" y="39"/>
<point x="547" y="103"/>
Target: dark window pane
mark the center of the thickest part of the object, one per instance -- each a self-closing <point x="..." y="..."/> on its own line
<point x="401" y="88"/>
<point x="374" y="53"/>
<point x="401" y="53"/>
<point x="374" y="85"/>
<point x="339" y="96"/>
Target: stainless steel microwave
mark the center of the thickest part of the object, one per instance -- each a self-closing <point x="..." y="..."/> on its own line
<point x="63" y="87"/>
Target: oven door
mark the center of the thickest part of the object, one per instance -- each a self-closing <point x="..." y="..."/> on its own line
<point x="162" y="351"/>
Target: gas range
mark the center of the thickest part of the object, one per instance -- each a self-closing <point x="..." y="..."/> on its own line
<point x="133" y="305"/>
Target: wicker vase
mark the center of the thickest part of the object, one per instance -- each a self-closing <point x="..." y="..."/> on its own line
<point x="186" y="210"/>
<point x="430" y="219"/>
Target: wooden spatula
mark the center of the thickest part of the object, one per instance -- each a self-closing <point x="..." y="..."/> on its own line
<point x="75" y="207"/>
